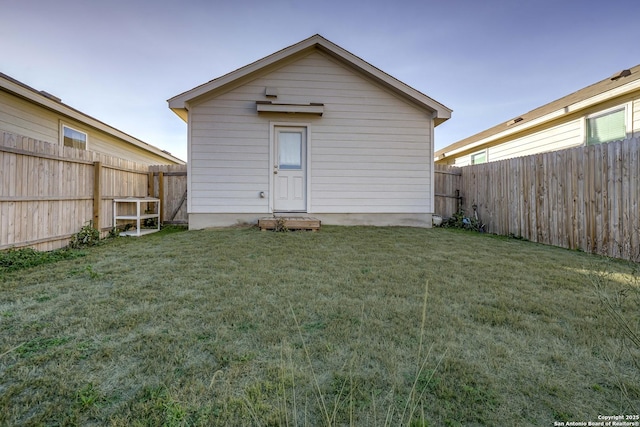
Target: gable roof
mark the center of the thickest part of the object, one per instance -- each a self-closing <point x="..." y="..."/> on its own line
<point x="619" y="84"/>
<point x="180" y="103"/>
<point x="53" y="103"/>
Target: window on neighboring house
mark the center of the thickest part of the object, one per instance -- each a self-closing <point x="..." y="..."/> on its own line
<point x="607" y="127"/>
<point x="478" y="158"/>
<point x="74" y="138"/>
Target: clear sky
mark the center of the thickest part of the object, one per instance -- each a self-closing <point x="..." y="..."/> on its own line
<point x="488" y="60"/>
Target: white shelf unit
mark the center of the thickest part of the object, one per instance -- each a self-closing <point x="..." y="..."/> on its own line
<point x="139" y="215"/>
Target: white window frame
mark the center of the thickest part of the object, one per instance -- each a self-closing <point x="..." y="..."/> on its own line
<point x="627" y="120"/>
<point x="486" y="157"/>
<point x="75" y="129"/>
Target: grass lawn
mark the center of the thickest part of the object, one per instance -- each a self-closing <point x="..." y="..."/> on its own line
<point x="346" y="326"/>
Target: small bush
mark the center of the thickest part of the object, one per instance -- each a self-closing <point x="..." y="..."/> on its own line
<point x="460" y="220"/>
<point x="87" y="236"/>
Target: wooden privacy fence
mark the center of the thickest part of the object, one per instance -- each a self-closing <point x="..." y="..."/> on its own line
<point x="169" y="184"/>
<point x="447" y="190"/>
<point x="48" y="191"/>
<point x="583" y="198"/>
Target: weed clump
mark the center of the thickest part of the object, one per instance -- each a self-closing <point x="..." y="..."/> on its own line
<point x="87" y="236"/>
<point x="281" y="226"/>
<point x="462" y="221"/>
<point x="17" y="259"/>
<point x="619" y="298"/>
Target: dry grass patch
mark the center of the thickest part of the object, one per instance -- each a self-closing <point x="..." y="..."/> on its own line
<point x="242" y="327"/>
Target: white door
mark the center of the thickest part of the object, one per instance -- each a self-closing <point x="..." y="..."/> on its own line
<point x="289" y="168"/>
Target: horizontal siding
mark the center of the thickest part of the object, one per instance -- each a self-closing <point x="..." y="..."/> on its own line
<point x="559" y="137"/>
<point x="365" y="161"/>
<point x="370" y="151"/>
<point x="381" y="186"/>
<point x="203" y="175"/>
<point x="229" y="186"/>
<point x="566" y="135"/>
<point x="374" y="183"/>
<point x="376" y="140"/>
<point x="461" y="161"/>
<point x="24" y="118"/>
<point x="405" y="176"/>
<point x="229" y="164"/>
<point x="232" y="156"/>
<point x="223" y="165"/>
<point x="106" y="144"/>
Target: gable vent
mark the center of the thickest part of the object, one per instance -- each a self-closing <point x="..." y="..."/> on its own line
<point x="271" y="92"/>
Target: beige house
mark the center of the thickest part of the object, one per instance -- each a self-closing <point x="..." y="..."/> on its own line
<point x="35" y="114"/>
<point x="309" y="130"/>
<point x="606" y="111"/>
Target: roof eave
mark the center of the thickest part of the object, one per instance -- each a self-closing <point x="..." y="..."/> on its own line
<point x="437" y="120"/>
<point x="183" y="113"/>
<point x="179" y="103"/>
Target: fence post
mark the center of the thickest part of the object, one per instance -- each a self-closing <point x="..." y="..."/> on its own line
<point x="161" y="194"/>
<point x="97" y="194"/>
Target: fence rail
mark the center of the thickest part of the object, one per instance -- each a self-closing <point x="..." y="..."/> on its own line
<point x="48" y="191"/>
<point x="583" y="198"/>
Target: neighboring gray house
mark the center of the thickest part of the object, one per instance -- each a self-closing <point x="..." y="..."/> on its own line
<point x="310" y="130"/>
